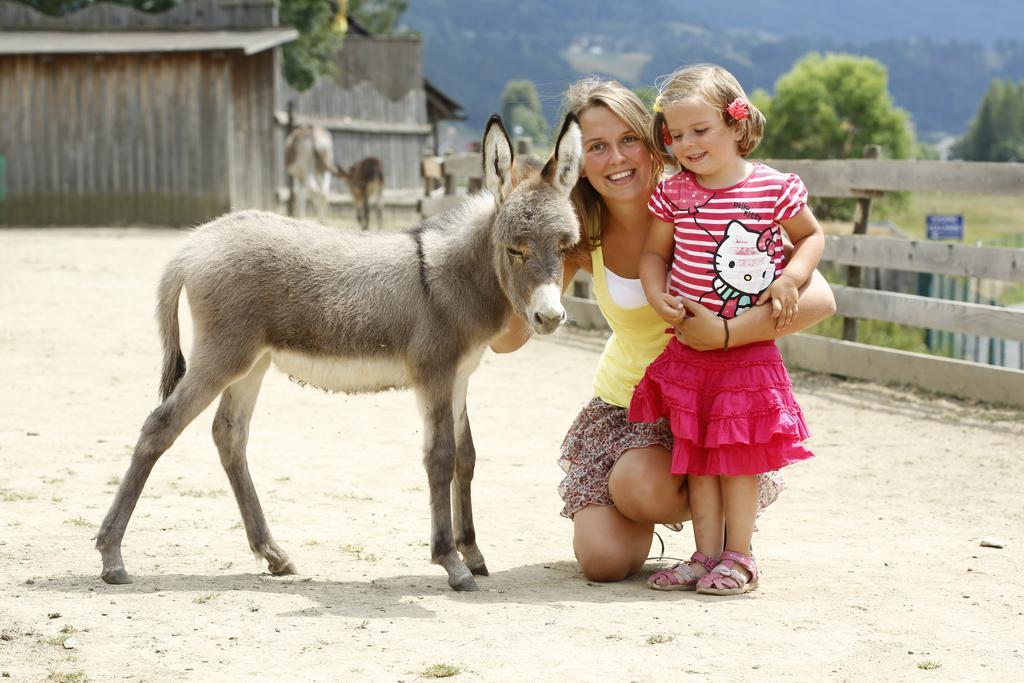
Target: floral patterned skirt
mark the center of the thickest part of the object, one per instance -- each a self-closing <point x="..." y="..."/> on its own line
<point x="599" y="435"/>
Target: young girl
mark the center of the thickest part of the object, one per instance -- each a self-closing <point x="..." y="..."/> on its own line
<point x="731" y="411"/>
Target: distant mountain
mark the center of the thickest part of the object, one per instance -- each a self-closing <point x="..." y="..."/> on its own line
<point x="940" y="59"/>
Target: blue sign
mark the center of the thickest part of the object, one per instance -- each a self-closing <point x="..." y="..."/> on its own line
<point x="945" y="227"/>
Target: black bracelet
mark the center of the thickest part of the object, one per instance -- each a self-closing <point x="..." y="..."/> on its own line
<point x="725" y="346"/>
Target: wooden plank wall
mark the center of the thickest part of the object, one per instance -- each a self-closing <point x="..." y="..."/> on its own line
<point x="375" y="105"/>
<point x="114" y="139"/>
<point x="194" y="14"/>
<point x="256" y="147"/>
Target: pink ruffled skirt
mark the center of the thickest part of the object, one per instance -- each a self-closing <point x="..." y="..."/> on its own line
<point x="731" y="412"/>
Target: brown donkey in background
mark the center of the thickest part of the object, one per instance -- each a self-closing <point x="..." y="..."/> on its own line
<point x="366" y="184"/>
<point x="359" y="312"/>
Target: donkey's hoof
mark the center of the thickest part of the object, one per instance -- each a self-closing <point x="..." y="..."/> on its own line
<point x="480" y="570"/>
<point x="285" y="569"/>
<point x="116" y="576"/>
<point x="466" y="584"/>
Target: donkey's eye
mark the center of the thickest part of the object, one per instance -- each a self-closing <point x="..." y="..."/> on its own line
<point x="515" y="253"/>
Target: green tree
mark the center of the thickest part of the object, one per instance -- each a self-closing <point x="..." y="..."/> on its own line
<point x="312" y="53"/>
<point x="997" y="131"/>
<point x="831" y="107"/>
<point x="520" y="109"/>
<point x="377" y="16"/>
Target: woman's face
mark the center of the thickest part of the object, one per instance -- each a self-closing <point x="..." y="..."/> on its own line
<point x="615" y="159"/>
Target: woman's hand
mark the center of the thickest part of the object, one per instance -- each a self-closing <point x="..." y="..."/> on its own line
<point x="701" y="330"/>
<point x="783" y="294"/>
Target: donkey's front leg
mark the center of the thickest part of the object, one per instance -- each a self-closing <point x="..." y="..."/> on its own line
<point x="439" y="459"/>
<point x="462" y="500"/>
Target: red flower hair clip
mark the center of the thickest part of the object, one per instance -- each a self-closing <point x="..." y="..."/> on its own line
<point x="738" y="109"/>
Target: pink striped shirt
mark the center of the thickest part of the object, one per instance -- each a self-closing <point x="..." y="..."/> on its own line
<point x="728" y="244"/>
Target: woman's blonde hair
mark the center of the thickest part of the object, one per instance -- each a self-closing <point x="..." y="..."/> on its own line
<point x="592" y="92"/>
<point x="717" y="88"/>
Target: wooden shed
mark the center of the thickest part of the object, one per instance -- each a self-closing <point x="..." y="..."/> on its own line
<point x="114" y="116"/>
<point x="378" y="103"/>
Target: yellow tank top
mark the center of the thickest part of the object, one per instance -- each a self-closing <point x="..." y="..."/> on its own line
<point x="638" y="336"/>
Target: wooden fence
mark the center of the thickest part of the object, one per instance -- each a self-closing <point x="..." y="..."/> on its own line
<point x="866" y="179"/>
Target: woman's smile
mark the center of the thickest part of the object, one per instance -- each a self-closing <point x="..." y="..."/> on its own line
<point x="622" y="177"/>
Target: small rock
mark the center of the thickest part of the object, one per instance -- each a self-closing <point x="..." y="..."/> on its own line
<point x="69" y="643"/>
<point x="54" y="615"/>
<point x="991" y="542"/>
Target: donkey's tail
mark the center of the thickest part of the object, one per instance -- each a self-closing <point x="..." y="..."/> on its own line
<point x="325" y="156"/>
<point x="168" y="293"/>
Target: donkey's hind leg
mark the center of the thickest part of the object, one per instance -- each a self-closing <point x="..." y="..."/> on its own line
<point x="462" y="500"/>
<point x="231" y="434"/>
<point x="197" y="389"/>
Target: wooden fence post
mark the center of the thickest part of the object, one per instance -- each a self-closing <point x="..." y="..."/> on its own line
<point x="860" y="227"/>
<point x="288" y="128"/>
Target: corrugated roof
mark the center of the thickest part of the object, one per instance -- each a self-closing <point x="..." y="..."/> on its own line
<point x="98" y="42"/>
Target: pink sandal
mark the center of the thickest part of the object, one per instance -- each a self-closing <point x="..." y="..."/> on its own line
<point x="725" y="579"/>
<point x="680" y="576"/>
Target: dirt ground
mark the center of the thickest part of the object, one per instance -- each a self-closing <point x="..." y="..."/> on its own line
<point x="873" y="568"/>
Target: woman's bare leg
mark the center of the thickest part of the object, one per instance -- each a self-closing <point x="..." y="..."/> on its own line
<point x="608" y="546"/>
<point x="645" y="490"/>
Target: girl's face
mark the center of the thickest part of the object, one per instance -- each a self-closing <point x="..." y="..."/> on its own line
<point x="703" y="143"/>
<point x="616" y="160"/>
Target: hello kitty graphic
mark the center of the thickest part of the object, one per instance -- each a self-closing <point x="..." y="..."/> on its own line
<point x="743" y="267"/>
<point x="743" y="259"/>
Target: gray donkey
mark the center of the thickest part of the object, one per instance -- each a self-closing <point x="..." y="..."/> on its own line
<point x="359" y="312"/>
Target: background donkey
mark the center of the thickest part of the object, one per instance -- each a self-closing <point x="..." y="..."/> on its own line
<point x="366" y="184"/>
<point x="309" y="159"/>
<point x="359" y="312"/>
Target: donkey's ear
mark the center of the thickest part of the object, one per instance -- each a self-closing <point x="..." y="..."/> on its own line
<point x="563" y="168"/>
<point x="497" y="160"/>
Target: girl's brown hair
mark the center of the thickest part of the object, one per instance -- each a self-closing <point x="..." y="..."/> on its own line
<point x="623" y="102"/>
<point x="717" y="88"/>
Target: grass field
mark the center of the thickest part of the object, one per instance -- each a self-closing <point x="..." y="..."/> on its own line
<point x="986" y="218"/>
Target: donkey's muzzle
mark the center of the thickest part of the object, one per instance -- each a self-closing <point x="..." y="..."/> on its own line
<point x="545" y="311"/>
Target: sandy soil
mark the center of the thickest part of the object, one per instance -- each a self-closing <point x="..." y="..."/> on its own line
<point x="872" y="562"/>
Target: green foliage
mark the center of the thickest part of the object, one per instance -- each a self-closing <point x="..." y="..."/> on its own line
<point x="311" y="54"/>
<point x="831" y="107"/>
<point x="997" y="131"/>
<point x="377" y="16"/>
<point x="520" y="108"/>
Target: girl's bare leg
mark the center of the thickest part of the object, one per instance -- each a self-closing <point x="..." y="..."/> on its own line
<point x="609" y="546"/>
<point x="739" y="499"/>
<point x="706" y="502"/>
<point x="645" y="490"/>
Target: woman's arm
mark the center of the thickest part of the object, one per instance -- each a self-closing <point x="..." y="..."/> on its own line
<point x="517" y="332"/>
<point x="705" y="331"/>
